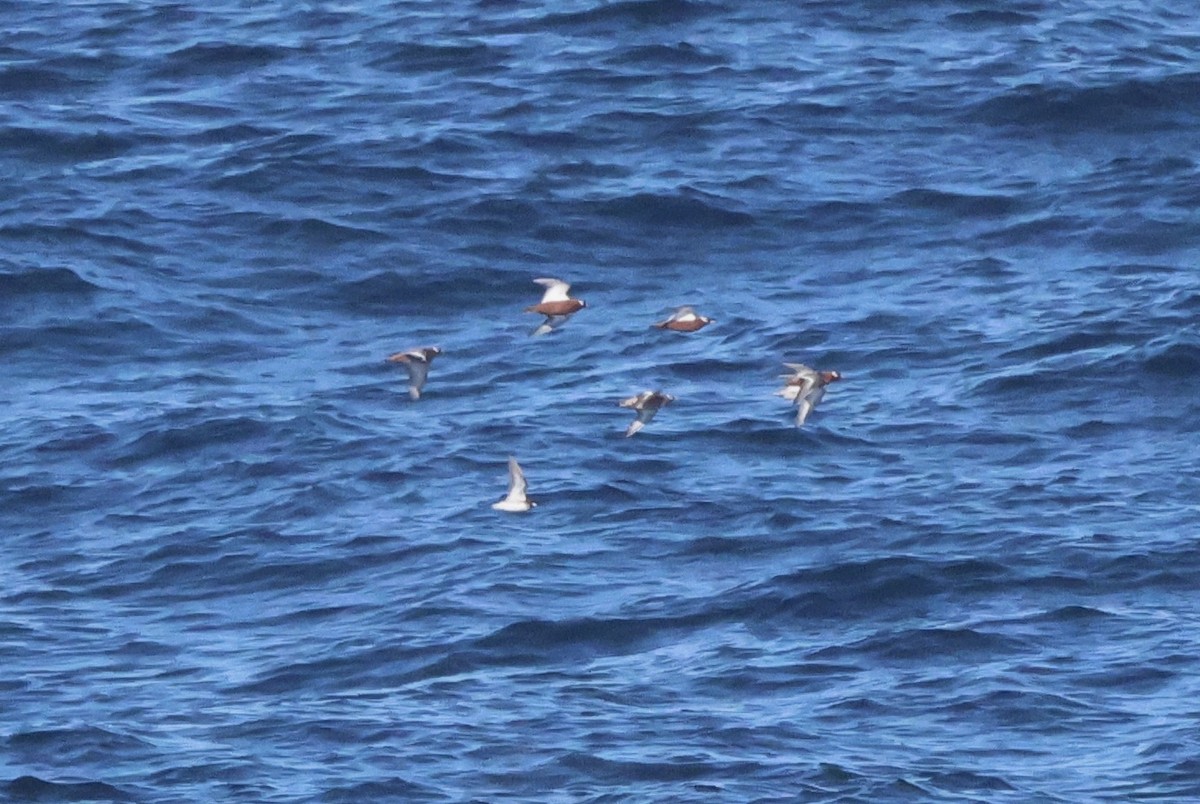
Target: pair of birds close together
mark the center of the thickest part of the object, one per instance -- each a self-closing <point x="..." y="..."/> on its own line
<point x="557" y="305"/>
<point x="805" y="386"/>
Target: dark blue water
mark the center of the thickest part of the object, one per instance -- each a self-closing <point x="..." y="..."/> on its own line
<point x="237" y="563"/>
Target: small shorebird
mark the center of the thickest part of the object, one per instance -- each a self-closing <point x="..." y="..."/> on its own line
<point x="516" y="501"/>
<point x="556" y="305"/>
<point x="805" y="388"/>
<point x="417" y="362"/>
<point x="646" y="404"/>
<point x="684" y="319"/>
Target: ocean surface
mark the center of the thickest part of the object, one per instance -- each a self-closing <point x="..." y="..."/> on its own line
<point x="238" y="563"/>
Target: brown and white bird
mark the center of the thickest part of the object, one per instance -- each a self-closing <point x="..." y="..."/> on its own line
<point x="684" y="319"/>
<point x="516" y="501"/>
<point x="805" y="388"/>
<point x="556" y="305"/>
<point x="647" y="403"/>
<point x="417" y="362"/>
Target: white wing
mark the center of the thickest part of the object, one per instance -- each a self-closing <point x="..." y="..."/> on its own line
<point x="634" y="401"/>
<point x="803" y="383"/>
<point x="805" y="404"/>
<point x="516" y="482"/>
<point x="551" y="323"/>
<point x="418" y="371"/>
<point x="416" y="362"/>
<point x="556" y="289"/>
<point x="646" y="414"/>
<point x="804" y="407"/>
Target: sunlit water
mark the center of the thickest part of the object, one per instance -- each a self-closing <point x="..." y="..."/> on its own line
<point x="238" y="563"/>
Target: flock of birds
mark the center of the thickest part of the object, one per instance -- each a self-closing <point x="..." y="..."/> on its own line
<point x="804" y="387"/>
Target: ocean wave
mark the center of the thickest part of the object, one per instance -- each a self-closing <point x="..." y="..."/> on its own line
<point x="409" y="57"/>
<point x="393" y="789"/>
<point x="318" y="232"/>
<point x="681" y="54"/>
<point x="33" y="788"/>
<point x="37" y="281"/>
<point x="188" y="432"/>
<point x="218" y="59"/>
<point x="963" y="205"/>
<point x="82" y="233"/>
<point x="1125" y="106"/>
<point x="964" y="644"/>
<point x="630" y="12"/>
<point x="54" y="146"/>
<point x="677" y="210"/>
<point x="34" y="81"/>
<point x="84" y="744"/>
<point x="229" y="530"/>
<point x="1174" y="359"/>
<point x="985" y="18"/>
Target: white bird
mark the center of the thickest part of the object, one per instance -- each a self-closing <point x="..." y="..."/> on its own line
<point x="516" y="501"/>
<point x="647" y="403"/>
<point x="805" y="388"/>
<point x="417" y="362"/>
<point x="556" y="304"/>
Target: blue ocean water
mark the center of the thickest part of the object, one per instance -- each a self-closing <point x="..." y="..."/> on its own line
<point x="238" y="563"/>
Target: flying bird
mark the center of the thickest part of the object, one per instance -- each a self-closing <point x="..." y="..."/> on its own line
<point x="417" y="362"/>
<point x="805" y="388"/>
<point x="556" y="305"/>
<point x="684" y="319"/>
<point x="647" y="403"/>
<point x="516" y="501"/>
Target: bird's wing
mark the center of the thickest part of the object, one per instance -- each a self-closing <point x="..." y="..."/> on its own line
<point x="551" y="323"/>
<point x="685" y="313"/>
<point x="804" y="407"/>
<point x="418" y="370"/>
<point x="516" y="482"/>
<point x="419" y="355"/>
<point x="806" y="402"/>
<point x="556" y="289"/>
<point x="804" y="383"/>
